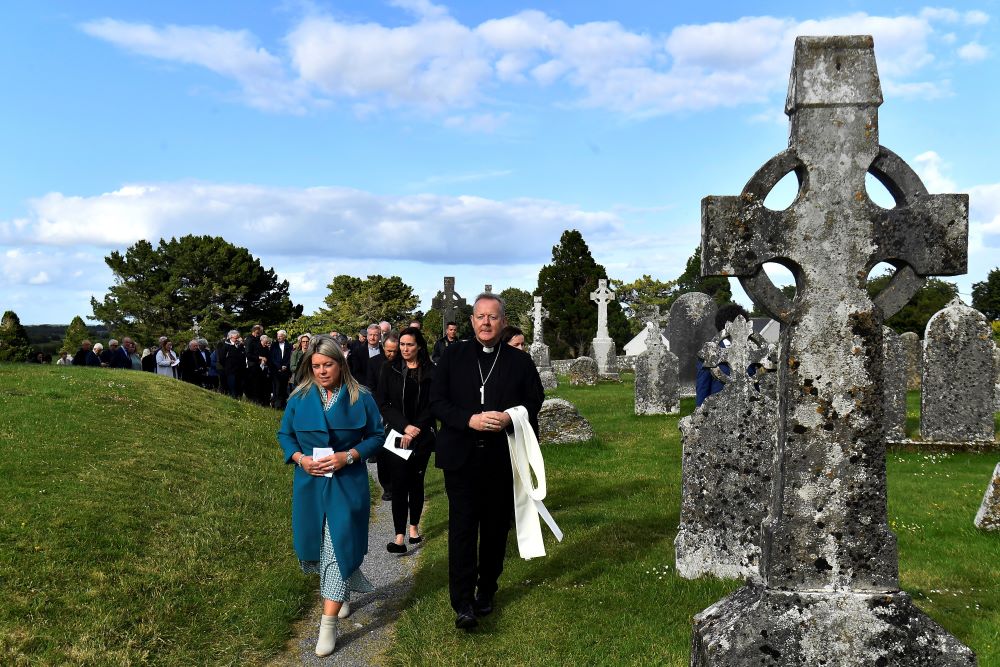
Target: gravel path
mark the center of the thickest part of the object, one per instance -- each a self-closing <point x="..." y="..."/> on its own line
<point x="368" y="629"/>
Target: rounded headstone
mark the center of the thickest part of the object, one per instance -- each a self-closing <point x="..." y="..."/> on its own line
<point x="914" y="352"/>
<point x="958" y="392"/>
<point x="690" y="325"/>
<point x="549" y="380"/>
<point x="583" y="371"/>
<point x="560" y="423"/>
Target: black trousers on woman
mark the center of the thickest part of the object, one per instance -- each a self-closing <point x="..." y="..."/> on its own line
<point x="406" y="479"/>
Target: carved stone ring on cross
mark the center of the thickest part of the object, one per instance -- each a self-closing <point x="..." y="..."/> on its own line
<point x="891" y="171"/>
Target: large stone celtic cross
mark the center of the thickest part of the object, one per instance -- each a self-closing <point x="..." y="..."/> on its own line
<point x="826" y="544"/>
<point x="602" y="296"/>
<point x="447" y="303"/>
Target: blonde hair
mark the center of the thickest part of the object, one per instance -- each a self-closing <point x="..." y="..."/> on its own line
<point x="327" y="346"/>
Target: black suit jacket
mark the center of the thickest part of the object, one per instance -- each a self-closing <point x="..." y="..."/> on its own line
<point x="374" y="371"/>
<point x="193" y="367"/>
<point x="278" y="359"/>
<point x="358" y="361"/>
<point x="455" y="398"/>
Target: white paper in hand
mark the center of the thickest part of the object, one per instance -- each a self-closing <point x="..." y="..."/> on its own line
<point x="390" y="444"/>
<point x="320" y="452"/>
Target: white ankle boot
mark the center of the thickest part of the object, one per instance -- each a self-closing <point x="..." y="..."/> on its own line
<point x="345" y="609"/>
<point x="327" y="635"/>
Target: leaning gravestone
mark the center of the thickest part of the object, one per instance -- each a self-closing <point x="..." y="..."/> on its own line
<point x="988" y="516"/>
<point x="893" y="386"/>
<point x="830" y="587"/>
<point x="656" y="377"/>
<point x="583" y="370"/>
<point x="957" y="395"/>
<point x="728" y="461"/>
<point x="604" y="347"/>
<point x="447" y="302"/>
<point x="690" y="324"/>
<point x="560" y="423"/>
<point x="913" y="349"/>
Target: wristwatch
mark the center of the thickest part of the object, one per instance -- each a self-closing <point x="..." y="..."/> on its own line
<point x="350" y="457"/>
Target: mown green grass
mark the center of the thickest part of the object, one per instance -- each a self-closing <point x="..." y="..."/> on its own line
<point x="142" y="521"/>
<point x="609" y="595"/>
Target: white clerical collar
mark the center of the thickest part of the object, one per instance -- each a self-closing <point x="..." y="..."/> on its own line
<point x="488" y="350"/>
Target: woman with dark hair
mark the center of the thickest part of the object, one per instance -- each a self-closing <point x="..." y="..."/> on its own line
<point x="403" y="395"/>
<point x="512" y="336"/>
<point x="330" y="497"/>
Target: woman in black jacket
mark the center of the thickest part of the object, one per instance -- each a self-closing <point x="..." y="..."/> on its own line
<point x="403" y="396"/>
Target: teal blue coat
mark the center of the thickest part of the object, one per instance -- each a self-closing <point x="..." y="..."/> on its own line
<point x="344" y="498"/>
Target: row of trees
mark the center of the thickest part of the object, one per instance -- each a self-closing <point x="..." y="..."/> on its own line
<point x="164" y="289"/>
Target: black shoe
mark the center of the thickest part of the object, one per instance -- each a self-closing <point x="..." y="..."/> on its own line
<point x="483" y="606"/>
<point x="466" y="620"/>
<point x="394" y="548"/>
<point x="386" y="496"/>
<point x="417" y="540"/>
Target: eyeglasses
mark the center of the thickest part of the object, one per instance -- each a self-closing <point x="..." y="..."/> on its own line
<point x="483" y="317"/>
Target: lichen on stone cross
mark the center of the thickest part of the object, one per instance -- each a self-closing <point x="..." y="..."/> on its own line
<point x="538" y="315"/>
<point x="746" y="350"/>
<point x="831" y="528"/>
<point x="826" y="545"/>
<point x="603" y="296"/>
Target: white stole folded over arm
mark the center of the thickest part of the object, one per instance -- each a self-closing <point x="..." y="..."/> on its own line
<point x="525" y="458"/>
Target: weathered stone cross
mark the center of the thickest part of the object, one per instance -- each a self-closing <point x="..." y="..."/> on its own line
<point x="448" y="302"/>
<point x="603" y="296"/>
<point x="538" y="314"/>
<point x="488" y="289"/>
<point x="196" y="328"/>
<point x="747" y="349"/>
<point x="827" y="533"/>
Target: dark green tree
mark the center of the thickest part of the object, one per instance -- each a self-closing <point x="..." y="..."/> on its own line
<point x="641" y="296"/>
<point x="691" y="280"/>
<point x="986" y="295"/>
<point x="14" y="345"/>
<point x="932" y="297"/>
<point x="354" y="303"/>
<point x="75" y="334"/>
<point x="565" y="286"/>
<point x="518" y="304"/>
<point x="163" y="290"/>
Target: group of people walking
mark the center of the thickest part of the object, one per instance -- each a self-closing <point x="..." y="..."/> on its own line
<point x="386" y="394"/>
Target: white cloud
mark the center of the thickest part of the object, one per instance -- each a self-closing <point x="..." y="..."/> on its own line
<point x="438" y="64"/>
<point x="482" y="123"/>
<point x="930" y="167"/>
<point x="984" y="222"/>
<point x="328" y="222"/>
<point x="973" y="52"/>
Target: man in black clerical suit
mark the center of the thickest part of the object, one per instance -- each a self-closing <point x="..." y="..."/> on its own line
<point x="473" y="384"/>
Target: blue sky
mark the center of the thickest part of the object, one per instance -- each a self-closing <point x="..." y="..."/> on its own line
<point x="427" y="140"/>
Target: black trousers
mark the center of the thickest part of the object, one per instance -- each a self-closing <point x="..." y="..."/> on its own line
<point x="279" y="389"/>
<point x="407" y="484"/>
<point x="480" y="505"/>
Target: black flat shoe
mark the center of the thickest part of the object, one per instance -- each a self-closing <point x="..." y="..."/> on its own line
<point x="386" y="496"/>
<point x="466" y="620"/>
<point x="417" y="540"/>
<point x="482" y="606"/>
<point x="394" y="548"/>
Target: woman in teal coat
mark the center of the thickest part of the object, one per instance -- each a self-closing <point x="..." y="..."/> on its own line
<point x="330" y="496"/>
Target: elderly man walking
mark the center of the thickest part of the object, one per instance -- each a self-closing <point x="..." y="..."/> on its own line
<point x="473" y="385"/>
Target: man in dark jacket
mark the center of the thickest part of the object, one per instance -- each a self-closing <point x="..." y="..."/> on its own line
<point x="474" y="384"/>
<point x="193" y="367"/>
<point x="389" y="346"/>
<point x="232" y="359"/>
<point x="281" y="363"/>
<point x="363" y="351"/>
<point x="450" y="338"/>
<point x="85" y="356"/>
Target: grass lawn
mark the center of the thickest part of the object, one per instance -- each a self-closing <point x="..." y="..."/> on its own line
<point x="142" y="521"/>
<point x="608" y="594"/>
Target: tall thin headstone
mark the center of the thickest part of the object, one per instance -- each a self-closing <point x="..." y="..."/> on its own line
<point x="690" y="324"/>
<point x="447" y="302"/>
<point x="728" y="460"/>
<point x="830" y="586"/>
<point x="604" y="347"/>
<point x="957" y="394"/>
<point x="656" y="377"/>
<point x="893" y="386"/>
<point x="488" y="289"/>
<point x="538" y="350"/>
<point x="914" y="351"/>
